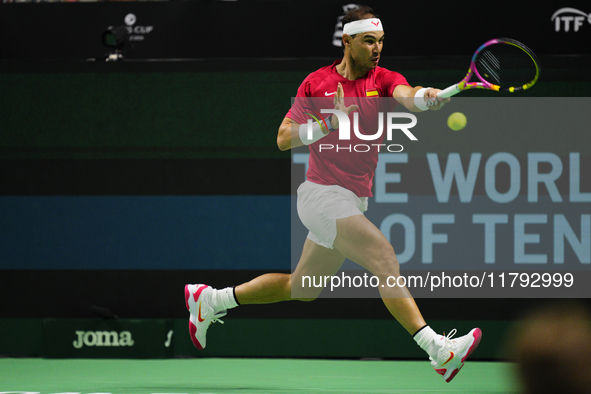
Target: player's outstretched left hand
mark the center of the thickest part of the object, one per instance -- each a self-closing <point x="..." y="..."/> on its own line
<point x="339" y="103"/>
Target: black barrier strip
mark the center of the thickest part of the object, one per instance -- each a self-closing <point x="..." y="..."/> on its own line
<point x="145" y="177"/>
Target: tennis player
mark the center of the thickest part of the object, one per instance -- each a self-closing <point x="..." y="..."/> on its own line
<point x="332" y="200"/>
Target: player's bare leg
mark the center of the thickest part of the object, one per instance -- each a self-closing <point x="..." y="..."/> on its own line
<point x="362" y="242"/>
<point x="315" y="260"/>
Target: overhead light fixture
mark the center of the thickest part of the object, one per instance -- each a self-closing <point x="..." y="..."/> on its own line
<point x="114" y="37"/>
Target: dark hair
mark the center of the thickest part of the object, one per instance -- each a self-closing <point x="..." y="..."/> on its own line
<point x="363" y="12"/>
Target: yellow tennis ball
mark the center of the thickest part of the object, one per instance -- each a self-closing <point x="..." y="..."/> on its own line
<point x="456" y="121"/>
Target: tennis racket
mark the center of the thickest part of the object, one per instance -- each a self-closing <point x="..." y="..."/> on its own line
<point x="501" y="64"/>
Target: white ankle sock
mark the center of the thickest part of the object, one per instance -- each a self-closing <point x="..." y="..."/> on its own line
<point x="428" y="340"/>
<point x="223" y="299"/>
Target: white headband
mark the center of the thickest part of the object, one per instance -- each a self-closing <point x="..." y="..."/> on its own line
<point x="363" y="25"/>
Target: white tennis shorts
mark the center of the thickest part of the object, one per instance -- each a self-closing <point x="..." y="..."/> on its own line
<point x="320" y="206"/>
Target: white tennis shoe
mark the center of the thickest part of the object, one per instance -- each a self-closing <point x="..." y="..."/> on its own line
<point x="453" y="352"/>
<point x="202" y="314"/>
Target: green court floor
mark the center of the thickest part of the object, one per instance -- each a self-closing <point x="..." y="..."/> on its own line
<point x="216" y="376"/>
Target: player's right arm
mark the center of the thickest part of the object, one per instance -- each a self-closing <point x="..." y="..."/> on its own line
<point x="288" y="136"/>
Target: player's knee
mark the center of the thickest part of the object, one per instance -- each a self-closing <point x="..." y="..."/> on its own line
<point x="387" y="264"/>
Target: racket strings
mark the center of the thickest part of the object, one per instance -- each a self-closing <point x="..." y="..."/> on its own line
<point x="491" y="66"/>
<point x="506" y="65"/>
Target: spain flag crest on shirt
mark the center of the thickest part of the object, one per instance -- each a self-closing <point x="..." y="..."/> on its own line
<point x="371" y="93"/>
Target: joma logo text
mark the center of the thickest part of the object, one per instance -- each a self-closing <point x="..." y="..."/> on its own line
<point x="102" y="338"/>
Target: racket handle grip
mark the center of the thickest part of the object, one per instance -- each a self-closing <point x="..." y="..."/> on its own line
<point x="450" y="91"/>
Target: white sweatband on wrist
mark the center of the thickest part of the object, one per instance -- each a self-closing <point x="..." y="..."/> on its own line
<point x="420" y="102"/>
<point x="362" y="26"/>
<point x="315" y="129"/>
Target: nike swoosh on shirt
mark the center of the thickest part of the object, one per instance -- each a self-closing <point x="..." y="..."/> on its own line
<point x="329" y="94"/>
